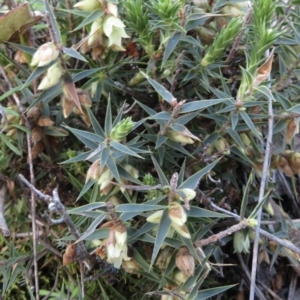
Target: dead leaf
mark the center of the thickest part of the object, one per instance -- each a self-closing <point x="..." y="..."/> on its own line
<point x="36" y="134"/>
<point x="70" y="255"/>
<point x="37" y="149"/>
<point x="264" y="70"/>
<point x="16" y="22"/>
<point x="45" y="121"/>
<point x="67" y="106"/>
<point x="69" y="90"/>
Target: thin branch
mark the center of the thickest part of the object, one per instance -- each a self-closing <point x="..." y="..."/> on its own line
<point x="264" y="178"/>
<point x="3" y="225"/>
<point x="54" y="286"/>
<point x="264" y="233"/>
<point x="246" y="270"/>
<point x="214" y="238"/>
<point x="56" y="205"/>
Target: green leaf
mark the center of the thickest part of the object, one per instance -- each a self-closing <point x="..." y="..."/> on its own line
<point x="162" y="231"/>
<point x="80" y="134"/>
<point x="250" y="124"/>
<point x="172" y="43"/>
<point x="198" y="212"/>
<point x="10" y="145"/>
<point x="245" y="196"/>
<point x="73" y="53"/>
<point x="161" y="139"/>
<point x="165" y="94"/>
<point x="96" y="126"/>
<point x="54" y="24"/>
<point x="163" y="179"/>
<point x="92" y="227"/>
<point x="138" y="207"/>
<point x="259" y="205"/>
<point x="86" y="187"/>
<point x="147" y="227"/>
<point x="91" y="18"/>
<point x="111" y="164"/>
<point x="108" y="118"/>
<point x="91" y="206"/>
<point x="123" y="149"/>
<point x="235" y="136"/>
<point x="201" y="104"/>
<point x="204" y="294"/>
<point x="193" y="181"/>
<point x="37" y="72"/>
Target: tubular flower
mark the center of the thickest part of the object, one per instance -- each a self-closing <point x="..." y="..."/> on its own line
<point x="113" y="28"/>
<point x="44" y="55"/>
<point x="52" y="77"/>
<point x="116" y="245"/>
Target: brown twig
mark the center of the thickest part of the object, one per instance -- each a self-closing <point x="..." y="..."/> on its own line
<point x="264" y="233"/>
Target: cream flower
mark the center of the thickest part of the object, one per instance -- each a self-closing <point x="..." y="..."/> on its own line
<point x="113" y="28"/>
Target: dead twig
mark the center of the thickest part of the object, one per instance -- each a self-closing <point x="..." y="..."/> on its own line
<point x="3" y="225"/>
<point x="55" y="205"/>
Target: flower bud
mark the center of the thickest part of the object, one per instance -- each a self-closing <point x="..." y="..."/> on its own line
<point x="292" y="129"/>
<point x="293" y="159"/>
<point x="155" y="217"/>
<point x="252" y="222"/>
<point x="44" y="55"/>
<point x="88" y="5"/>
<point x="121" y="234"/>
<point x="131" y="267"/>
<point x="185" y="262"/>
<point x="52" y="77"/>
<point x="241" y="242"/>
<point x="96" y="32"/>
<point x="163" y="258"/>
<point x="121" y="130"/>
<point x="177" y="214"/>
<point x="180" y="137"/>
<point x="136" y="79"/>
<point x="182" y="230"/>
<point x="112" y="9"/>
<point x="180" y="277"/>
<point x="132" y="171"/>
<point x="93" y="171"/>
<point x="222" y="146"/>
<point x="190" y="194"/>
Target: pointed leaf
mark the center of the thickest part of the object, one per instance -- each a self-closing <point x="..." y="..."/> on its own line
<point x="162" y="231"/>
<point x="201" y="104"/>
<point x="92" y="227"/>
<point x="172" y="43"/>
<point x="161" y="139"/>
<point x="54" y="24"/>
<point x="199" y="212"/>
<point x="111" y="164"/>
<point x="163" y="179"/>
<point x="250" y="124"/>
<point x="138" y="207"/>
<point x="96" y="126"/>
<point x="193" y="181"/>
<point x="245" y="196"/>
<point x="91" y="18"/>
<point x="208" y="293"/>
<point x="73" y="53"/>
<point x="236" y="137"/>
<point x="165" y="94"/>
<point x="108" y="118"/>
<point x="122" y="148"/>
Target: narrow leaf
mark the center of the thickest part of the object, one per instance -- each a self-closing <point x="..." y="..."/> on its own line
<point x="172" y="43"/>
<point x="193" y="181"/>
<point x="124" y="149"/>
<point x="162" y="231"/>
